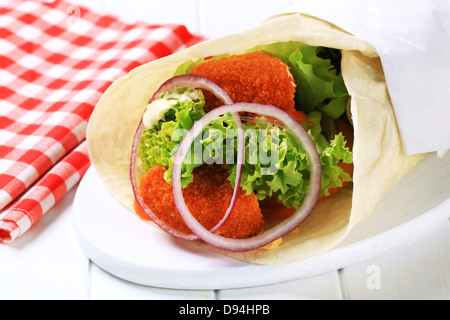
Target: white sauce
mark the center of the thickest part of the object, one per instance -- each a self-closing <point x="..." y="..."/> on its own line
<point x="156" y="110"/>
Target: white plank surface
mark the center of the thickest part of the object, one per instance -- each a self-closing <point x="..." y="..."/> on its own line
<point x="323" y="287"/>
<point x="48" y="263"/>
<point x="107" y="286"/>
<point x="416" y="270"/>
<point x="213" y="18"/>
<point x="221" y="17"/>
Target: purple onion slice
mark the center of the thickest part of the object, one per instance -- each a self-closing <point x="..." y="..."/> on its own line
<point x="198" y="82"/>
<point x="286" y="226"/>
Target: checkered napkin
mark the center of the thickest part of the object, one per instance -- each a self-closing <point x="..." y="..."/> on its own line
<point x="56" y="60"/>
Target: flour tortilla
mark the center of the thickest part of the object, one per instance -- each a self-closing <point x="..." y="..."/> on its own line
<point x="379" y="158"/>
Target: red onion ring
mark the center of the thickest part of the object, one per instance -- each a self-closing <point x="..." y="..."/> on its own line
<point x="187" y="81"/>
<point x="192" y="81"/>
<point x="288" y="225"/>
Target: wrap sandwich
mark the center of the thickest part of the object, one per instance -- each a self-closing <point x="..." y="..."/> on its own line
<point x="322" y="87"/>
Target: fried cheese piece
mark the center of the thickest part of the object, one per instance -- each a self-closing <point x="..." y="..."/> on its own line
<point x="207" y="197"/>
<point x="252" y="77"/>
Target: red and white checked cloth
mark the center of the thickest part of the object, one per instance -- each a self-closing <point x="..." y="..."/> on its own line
<point x="56" y="60"/>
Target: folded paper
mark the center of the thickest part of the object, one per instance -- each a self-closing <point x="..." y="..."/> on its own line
<point x="412" y="39"/>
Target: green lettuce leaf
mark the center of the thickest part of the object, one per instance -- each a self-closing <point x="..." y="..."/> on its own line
<point x="289" y="184"/>
<point x="159" y="145"/>
<point x="319" y="87"/>
<point x="316" y="70"/>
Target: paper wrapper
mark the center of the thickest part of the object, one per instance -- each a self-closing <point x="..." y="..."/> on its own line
<point x="412" y="38"/>
<point x="379" y="158"/>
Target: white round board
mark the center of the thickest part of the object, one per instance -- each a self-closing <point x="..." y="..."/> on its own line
<point x="126" y="246"/>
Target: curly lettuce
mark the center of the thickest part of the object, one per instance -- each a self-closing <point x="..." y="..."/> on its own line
<point x="290" y="181"/>
<point x="159" y="144"/>
<point x="316" y="71"/>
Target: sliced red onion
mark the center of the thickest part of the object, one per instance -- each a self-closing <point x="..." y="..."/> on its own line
<point x="192" y="81"/>
<point x="288" y="225"/>
<point x="198" y="82"/>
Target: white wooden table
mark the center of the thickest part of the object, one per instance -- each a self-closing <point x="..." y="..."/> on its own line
<point x="48" y="262"/>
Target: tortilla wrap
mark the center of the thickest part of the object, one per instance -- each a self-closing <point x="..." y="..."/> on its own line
<point x="379" y="157"/>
